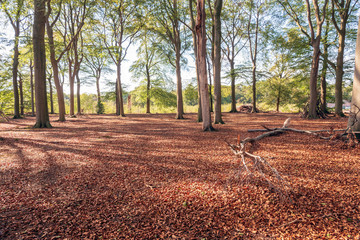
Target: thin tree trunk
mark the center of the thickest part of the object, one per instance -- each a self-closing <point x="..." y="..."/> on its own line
<point x="117" y="102"/>
<point x="21" y="95"/>
<point x="201" y="43"/>
<point x="210" y="87"/>
<point x="78" y="93"/>
<point x="119" y="91"/>
<point x="339" y="75"/>
<point x="51" y="96"/>
<point x="233" y="95"/>
<point x="148" y="90"/>
<point x="54" y="64"/>
<point x="254" y="108"/>
<point x="278" y="99"/>
<point x="193" y="24"/>
<point x="354" y="120"/>
<point x="217" y="61"/>
<point x="72" y="83"/>
<point x="15" y="70"/>
<point x="180" y="104"/>
<point x="323" y="80"/>
<point x="42" y="114"/>
<point x="98" y="88"/>
<point x="32" y="88"/>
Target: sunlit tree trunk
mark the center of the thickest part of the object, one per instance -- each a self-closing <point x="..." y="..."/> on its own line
<point x="32" y="88"/>
<point x="201" y="44"/>
<point x="217" y="61"/>
<point x="42" y="114"/>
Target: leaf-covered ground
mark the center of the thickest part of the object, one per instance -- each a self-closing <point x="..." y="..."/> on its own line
<point x="154" y="177"/>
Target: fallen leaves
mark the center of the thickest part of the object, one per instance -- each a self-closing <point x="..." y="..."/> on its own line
<point x="150" y="176"/>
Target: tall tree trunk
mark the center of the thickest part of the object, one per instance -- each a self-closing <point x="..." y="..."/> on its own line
<point x="233" y="95"/>
<point x="55" y="67"/>
<point x="32" y="88"/>
<point x="72" y="83"/>
<point x="354" y="120"/>
<point x="210" y="86"/>
<point x="147" y="90"/>
<point x="78" y="95"/>
<point x="51" y="96"/>
<point x="180" y="104"/>
<point x="339" y="74"/>
<point x="217" y="61"/>
<point x="120" y="111"/>
<point x="323" y="80"/>
<point x="201" y="43"/>
<point x="21" y="95"/>
<point x="98" y="87"/>
<point x="42" y="114"/>
<point x="15" y="70"/>
<point x="254" y="108"/>
<point x="313" y="78"/>
<point x="117" y="102"/>
<point x="278" y="97"/>
<point x="193" y="24"/>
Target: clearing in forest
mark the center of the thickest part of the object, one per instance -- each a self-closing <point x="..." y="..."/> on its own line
<point x="151" y="176"/>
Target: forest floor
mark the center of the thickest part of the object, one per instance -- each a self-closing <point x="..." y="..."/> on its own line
<point x="154" y="177"/>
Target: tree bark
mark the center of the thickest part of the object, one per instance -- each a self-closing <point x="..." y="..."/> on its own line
<point x="217" y="61"/>
<point x="51" y="96"/>
<point x="119" y="94"/>
<point x="21" y="95"/>
<point x="72" y="83"/>
<point x="15" y="70"/>
<point x="55" y="67"/>
<point x="201" y="46"/>
<point x="354" y="120"/>
<point x="148" y="90"/>
<point x="78" y="95"/>
<point x="193" y="24"/>
<point x="313" y="78"/>
<point x="42" y="114"/>
<point x="233" y="95"/>
<point x="177" y="43"/>
<point x="32" y="88"/>
<point x="339" y="73"/>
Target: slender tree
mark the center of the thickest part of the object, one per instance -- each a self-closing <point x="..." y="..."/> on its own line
<point x="341" y="11"/>
<point x="234" y="41"/>
<point x="42" y="114"/>
<point x="217" y="61"/>
<point x="314" y="39"/>
<point x="201" y="46"/>
<point x="15" y="11"/>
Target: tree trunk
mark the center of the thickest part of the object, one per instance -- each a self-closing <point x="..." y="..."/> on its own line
<point x="15" y="70"/>
<point x="217" y="61"/>
<point x="233" y="95"/>
<point x="42" y="114"/>
<point x="54" y="64"/>
<point x="117" y="102"/>
<point x="147" y="90"/>
<point x="180" y="104"/>
<point x="323" y="80"/>
<point x="313" y="78"/>
<point x="339" y="75"/>
<point x="119" y="111"/>
<point x="32" y="88"/>
<point x="254" y="110"/>
<point x="51" y="97"/>
<point x="72" y="83"/>
<point x="98" y="88"/>
<point x="193" y="24"/>
<point x="21" y="95"/>
<point x="201" y="45"/>
<point x="354" y="120"/>
<point x="78" y="93"/>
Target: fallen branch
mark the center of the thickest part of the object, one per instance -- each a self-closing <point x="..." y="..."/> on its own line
<point x="3" y="115"/>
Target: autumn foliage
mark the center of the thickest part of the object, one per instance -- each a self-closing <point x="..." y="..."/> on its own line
<point x="153" y="177"/>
